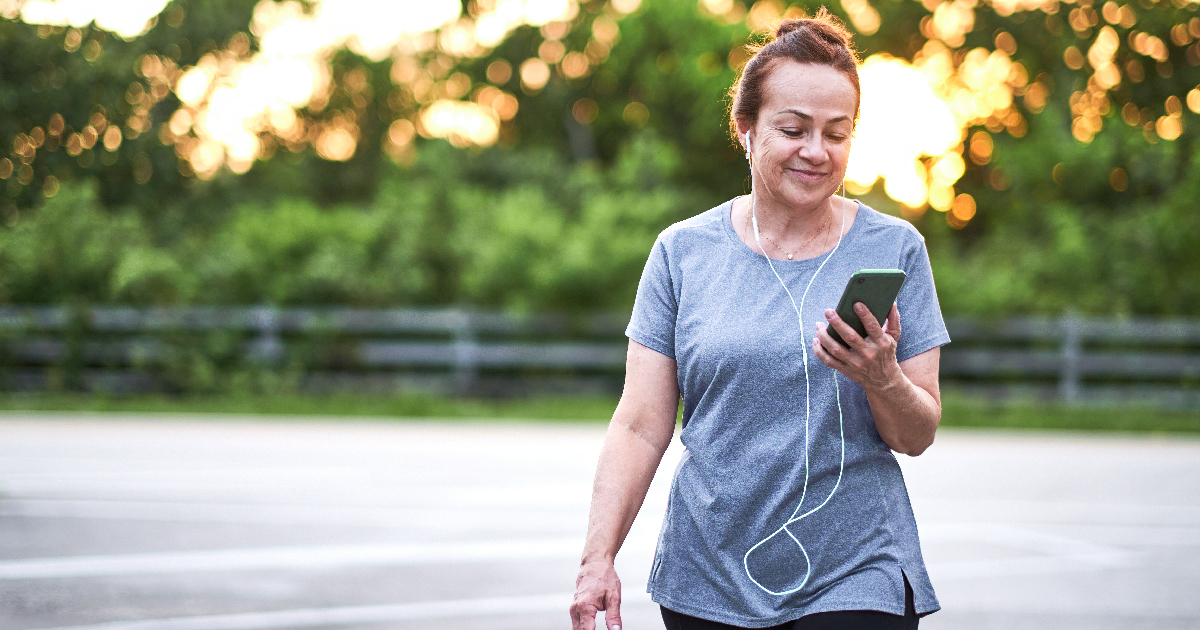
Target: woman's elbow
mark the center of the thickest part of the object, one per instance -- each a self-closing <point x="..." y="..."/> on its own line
<point x="915" y="449"/>
<point x="914" y="442"/>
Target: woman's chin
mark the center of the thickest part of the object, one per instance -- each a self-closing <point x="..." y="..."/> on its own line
<point x="808" y="198"/>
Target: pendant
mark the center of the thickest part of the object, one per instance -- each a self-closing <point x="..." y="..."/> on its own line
<point x="789" y="256"/>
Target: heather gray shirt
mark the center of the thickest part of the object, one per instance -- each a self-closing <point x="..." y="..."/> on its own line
<point x="711" y="303"/>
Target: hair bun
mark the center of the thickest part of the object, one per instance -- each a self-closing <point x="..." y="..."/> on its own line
<point x="787" y="26"/>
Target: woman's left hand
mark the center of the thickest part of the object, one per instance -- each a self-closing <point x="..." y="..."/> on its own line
<point x="905" y="399"/>
<point x="869" y="361"/>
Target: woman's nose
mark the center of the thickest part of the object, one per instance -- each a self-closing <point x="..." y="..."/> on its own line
<point x="814" y="150"/>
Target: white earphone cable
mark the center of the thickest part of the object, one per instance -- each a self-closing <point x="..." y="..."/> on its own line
<point x="807" y="400"/>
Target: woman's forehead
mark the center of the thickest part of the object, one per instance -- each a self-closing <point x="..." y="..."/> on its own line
<point x="812" y="89"/>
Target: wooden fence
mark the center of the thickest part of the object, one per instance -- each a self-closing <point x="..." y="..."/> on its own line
<point x="1077" y="360"/>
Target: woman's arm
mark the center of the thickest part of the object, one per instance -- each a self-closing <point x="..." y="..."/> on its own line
<point x="638" y="435"/>
<point x="905" y="398"/>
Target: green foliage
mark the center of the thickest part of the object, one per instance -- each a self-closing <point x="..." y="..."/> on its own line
<point x="1061" y="238"/>
<point x="292" y="252"/>
<point x="70" y="249"/>
<point x="93" y="81"/>
<point x="668" y="58"/>
<point x="561" y="214"/>
<point x="454" y="229"/>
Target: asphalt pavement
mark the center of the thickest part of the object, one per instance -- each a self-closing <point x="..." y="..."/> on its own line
<point x="139" y="522"/>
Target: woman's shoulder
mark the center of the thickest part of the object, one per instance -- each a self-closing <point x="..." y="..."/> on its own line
<point x="705" y="226"/>
<point x="880" y="225"/>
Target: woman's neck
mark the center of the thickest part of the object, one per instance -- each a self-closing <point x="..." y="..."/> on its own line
<point x="790" y="233"/>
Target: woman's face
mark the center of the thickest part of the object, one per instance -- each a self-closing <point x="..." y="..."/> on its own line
<point x="801" y="141"/>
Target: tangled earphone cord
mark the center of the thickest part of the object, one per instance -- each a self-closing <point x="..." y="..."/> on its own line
<point x="807" y="410"/>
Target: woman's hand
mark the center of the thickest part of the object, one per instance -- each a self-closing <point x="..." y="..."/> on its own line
<point x="597" y="588"/>
<point x="869" y="361"/>
<point x="905" y="398"/>
<point x="637" y="437"/>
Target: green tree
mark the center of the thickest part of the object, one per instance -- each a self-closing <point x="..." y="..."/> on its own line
<point x="82" y="103"/>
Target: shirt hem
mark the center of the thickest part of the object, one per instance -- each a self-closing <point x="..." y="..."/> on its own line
<point x="654" y="343"/>
<point x="750" y="622"/>
<point x="925" y="345"/>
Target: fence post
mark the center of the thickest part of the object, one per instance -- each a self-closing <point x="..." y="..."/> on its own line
<point x="1072" y="348"/>
<point x="77" y="329"/>
<point x="267" y="348"/>
<point x="466" y="360"/>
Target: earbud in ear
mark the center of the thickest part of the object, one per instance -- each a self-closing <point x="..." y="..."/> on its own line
<point x="749" y="146"/>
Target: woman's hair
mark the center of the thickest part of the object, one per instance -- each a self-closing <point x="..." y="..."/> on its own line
<point x="820" y="40"/>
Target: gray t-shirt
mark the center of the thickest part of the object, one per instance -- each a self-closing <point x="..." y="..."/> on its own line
<point x="740" y="541"/>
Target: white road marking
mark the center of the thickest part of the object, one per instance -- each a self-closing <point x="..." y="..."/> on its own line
<point x="436" y="518"/>
<point x="300" y="558"/>
<point x="315" y="617"/>
<point x="1048" y="554"/>
<point x="288" y="558"/>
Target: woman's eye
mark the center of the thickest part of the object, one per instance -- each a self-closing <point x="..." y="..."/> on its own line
<point x="792" y="133"/>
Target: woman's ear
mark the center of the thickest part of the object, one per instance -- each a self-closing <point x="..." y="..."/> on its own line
<point x="747" y="140"/>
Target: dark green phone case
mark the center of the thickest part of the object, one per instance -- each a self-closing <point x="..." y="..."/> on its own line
<point x="877" y="288"/>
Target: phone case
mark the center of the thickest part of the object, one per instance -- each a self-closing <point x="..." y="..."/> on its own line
<point x="877" y="288"/>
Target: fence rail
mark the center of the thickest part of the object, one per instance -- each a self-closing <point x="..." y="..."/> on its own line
<point x="1074" y="359"/>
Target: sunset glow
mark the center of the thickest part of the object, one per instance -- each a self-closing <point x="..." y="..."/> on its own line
<point x="127" y="18"/>
<point x="910" y="136"/>
<point x="901" y="122"/>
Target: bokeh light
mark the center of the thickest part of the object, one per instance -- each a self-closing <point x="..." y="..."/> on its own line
<point x="238" y="106"/>
<point x="901" y="121"/>
<point x="127" y="18"/>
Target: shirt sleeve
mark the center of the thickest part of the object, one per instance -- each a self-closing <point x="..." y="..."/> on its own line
<point x="657" y="304"/>
<point x="921" y="325"/>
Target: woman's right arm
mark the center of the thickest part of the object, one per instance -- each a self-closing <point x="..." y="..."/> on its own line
<point x="638" y="435"/>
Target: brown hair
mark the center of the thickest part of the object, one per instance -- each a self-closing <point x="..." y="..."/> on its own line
<point x="821" y="40"/>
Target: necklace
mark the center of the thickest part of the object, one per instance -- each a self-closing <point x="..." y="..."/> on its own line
<point x="790" y="254"/>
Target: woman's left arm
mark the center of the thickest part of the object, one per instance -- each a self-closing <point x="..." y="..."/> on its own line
<point x="905" y="398"/>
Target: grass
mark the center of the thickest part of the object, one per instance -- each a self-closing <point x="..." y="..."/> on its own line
<point x="958" y="410"/>
<point x="562" y="408"/>
<point x="962" y="411"/>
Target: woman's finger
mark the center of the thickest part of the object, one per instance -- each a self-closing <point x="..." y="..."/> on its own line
<point x="827" y="343"/>
<point x="868" y="320"/>
<point x="612" y="611"/>
<point x="893" y="322"/>
<point x="844" y="330"/>
<point x="583" y="616"/>
<point x="823" y="354"/>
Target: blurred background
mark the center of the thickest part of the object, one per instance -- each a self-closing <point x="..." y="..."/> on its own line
<point x="441" y="208"/>
<point x="516" y="158"/>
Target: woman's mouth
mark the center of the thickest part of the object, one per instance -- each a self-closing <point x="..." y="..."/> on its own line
<point x="807" y="174"/>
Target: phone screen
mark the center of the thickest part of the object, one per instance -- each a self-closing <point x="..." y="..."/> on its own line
<point x="877" y="288"/>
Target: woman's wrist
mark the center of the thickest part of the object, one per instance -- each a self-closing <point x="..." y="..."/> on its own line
<point x="890" y="382"/>
<point x="597" y="558"/>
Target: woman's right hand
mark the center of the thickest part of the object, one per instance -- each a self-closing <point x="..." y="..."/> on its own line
<point x="637" y="437"/>
<point x="597" y="588"/>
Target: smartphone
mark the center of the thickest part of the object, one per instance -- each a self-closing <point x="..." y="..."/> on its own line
<point x="877" y="288"/>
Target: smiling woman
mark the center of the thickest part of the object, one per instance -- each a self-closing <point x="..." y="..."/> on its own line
<point x="788" y="510"/>
<point x="798" y="140"/>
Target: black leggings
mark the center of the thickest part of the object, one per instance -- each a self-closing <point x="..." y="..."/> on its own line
<point x="835" y="620"/>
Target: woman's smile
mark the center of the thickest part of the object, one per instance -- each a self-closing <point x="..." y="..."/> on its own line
<point x="805" y="174"/>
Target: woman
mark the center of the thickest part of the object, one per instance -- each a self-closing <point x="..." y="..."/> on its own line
<point x="788" y="508"/>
